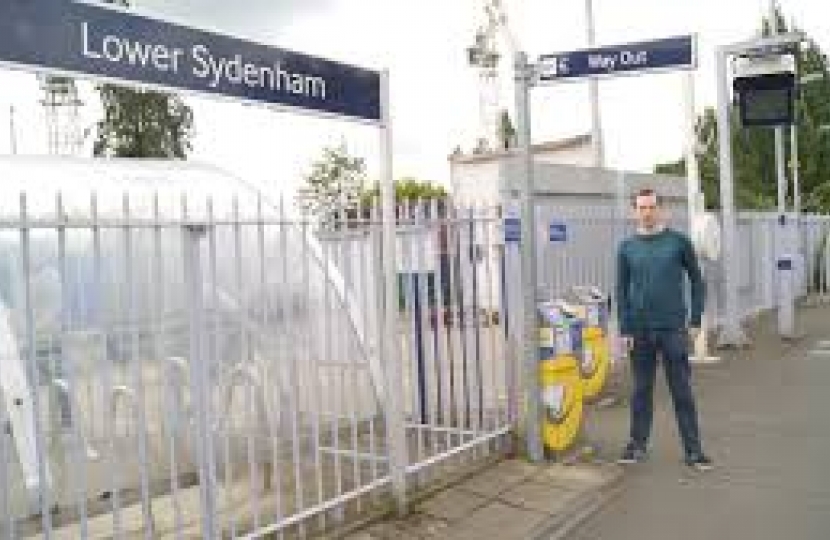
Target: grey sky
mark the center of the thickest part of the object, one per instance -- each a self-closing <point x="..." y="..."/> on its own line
<point x="434" y="93"/>
<point x="248" y="18"/>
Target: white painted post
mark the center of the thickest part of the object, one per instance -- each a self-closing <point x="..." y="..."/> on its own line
<point x="732" y="335"/>
<point x="597" y="143"/>
<point x="391" y="359"/>
<point x="784" y="258"/>
<point x="783" y="248"/>
<point x="530" y="421"/>
<point x="200" y="377"/>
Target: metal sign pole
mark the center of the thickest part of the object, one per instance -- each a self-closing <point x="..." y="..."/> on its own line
<point x="530" y="417"/>
<point x="597" y="142"/>
<point x="783" y="240"/>
<point x="391" y="359"/>
<point x="732" y="335"/>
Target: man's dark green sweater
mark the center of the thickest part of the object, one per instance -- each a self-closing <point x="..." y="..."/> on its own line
<point x="651" y="274"/>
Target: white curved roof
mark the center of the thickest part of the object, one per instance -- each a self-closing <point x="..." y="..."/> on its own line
<point x="42" y="178"/>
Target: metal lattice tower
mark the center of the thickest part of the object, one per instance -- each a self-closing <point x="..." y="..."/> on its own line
<point x="485" y="55"/>
<point x="61" y="106"/>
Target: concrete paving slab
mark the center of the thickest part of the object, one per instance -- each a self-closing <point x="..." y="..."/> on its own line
<point x="541" y="497"/>
<point x="452" y="504"/>
<point x="577" y="477"/>
<point x="499" y="479"/>
<point x="497" y="520"/>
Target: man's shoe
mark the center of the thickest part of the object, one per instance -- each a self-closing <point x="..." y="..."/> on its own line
<point x="700" y="463"/>
<point x="632" y="454"/>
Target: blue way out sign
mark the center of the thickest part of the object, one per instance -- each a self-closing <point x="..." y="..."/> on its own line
<point x="669" y="53"/>
<point x="80" y="39"/>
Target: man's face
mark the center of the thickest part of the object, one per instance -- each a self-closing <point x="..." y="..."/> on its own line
<point x="647" y="212"/>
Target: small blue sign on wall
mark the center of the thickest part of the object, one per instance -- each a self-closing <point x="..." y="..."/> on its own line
<point x="558" y="231"/>
<point x="512" y="229"/>
<point x="785" y="264"/>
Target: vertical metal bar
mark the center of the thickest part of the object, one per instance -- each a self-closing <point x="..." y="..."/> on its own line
<point x="455" y="354"/>
<point x="246" y="358"/>
<point x="494" y="316"/>
<point x="79" y="462"/>
<point x="731" y="332"/>
<point x="826" y="270"/>
<point x="103" y="320"/>
<point x="7" y="522"/>
<point x="136" y="361"/>
<point x="463" y="256"/>
<point x="593" y="92"/>
<point x="372" y="331"/>
<point x="417" y="378"/>
<point x="396" y="429"/>
<point x="312" y="365"/>
<point x="426" y="304"/>
<point x="171" y="390"/>
<point x="44" y="474"/>
<point x="289" y="315"/>
<point x="214" y="325"/>
<point x="406" y="306"/>
<point x="472" y="338"/>
<point x="193" y="233"/>
<point x="440" y="340"/>
<point x="330" y="408"/>
<point x="532" y="417"/>
<point x="476" y="252"/>
<point x="352" y="393"/>
<point x="273" y="424"/>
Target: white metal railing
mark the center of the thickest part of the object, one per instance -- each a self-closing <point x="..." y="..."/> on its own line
<point x="223" y="376"/>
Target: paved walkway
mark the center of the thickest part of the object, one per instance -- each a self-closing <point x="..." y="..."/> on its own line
<point x="512" y="500"/>
<point x="766" y="422"/>
<point x="765" y="415"/>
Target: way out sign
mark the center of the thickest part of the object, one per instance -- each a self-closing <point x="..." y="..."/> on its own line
<point x="646" y="56"/>
<point x="104" y="43"/>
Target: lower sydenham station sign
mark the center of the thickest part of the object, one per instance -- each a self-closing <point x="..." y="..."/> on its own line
<point x="83" y="39"/>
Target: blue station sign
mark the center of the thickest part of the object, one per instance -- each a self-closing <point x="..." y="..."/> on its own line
<point x="661" y="54"/>
<point x="104" y="43"/>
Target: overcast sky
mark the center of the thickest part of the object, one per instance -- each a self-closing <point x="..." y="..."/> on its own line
<point x="434" y="92"/>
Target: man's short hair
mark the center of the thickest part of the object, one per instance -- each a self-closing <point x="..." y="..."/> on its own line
<point x="646" y="192"/>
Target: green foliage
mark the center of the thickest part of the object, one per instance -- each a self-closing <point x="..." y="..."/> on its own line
<point x="336" y="183"/>
<point x="409" y="190"/>
<point x="142" y="123"/>
<point x="506" y="132"/>
<point x="754" y="149"/>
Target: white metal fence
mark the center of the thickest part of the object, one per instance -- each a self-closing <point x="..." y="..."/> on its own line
<point x="170" y="371"/>
<point x="199" y="371"/>
<point x="587" y="253"/>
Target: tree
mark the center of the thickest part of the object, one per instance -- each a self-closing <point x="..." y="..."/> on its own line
<point x="142" y="123"/>
<point x="409" y="190"/>
<point x="336" y="183"/>
<point x="506" y="131"/>
<point x="754" y="151"/>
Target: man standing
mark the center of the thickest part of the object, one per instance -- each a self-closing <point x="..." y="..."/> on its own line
<point x="651" y="269"/>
